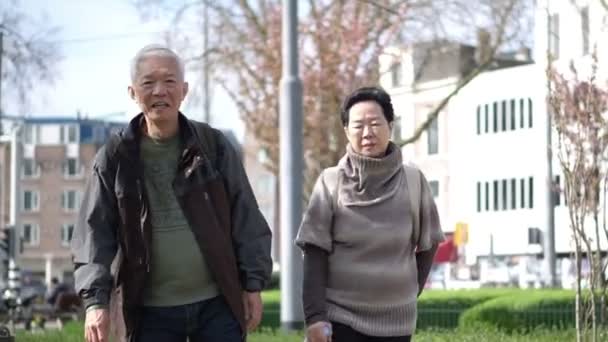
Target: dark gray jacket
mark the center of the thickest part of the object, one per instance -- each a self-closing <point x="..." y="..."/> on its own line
<point x="217" y="200"/>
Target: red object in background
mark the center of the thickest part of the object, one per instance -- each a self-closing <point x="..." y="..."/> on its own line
<point x="446" y="252"/>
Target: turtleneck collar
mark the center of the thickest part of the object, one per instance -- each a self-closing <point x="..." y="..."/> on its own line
<point x="366" y="180"/>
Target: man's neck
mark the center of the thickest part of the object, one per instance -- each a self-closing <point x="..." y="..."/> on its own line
<point x="160" y="130"/>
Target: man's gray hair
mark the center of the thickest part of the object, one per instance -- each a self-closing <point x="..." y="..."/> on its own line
<point x="155" y="50"/>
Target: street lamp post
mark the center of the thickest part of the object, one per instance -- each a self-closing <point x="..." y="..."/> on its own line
<point x="290" y="171"/>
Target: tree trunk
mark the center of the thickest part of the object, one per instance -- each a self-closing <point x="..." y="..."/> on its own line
<point x="578" y="298"/>
<point x="592" y="304"/>
<point x="604" y="288"/>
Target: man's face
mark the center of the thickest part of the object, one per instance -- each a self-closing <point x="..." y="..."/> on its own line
<point x="368" y="131"/>
<point x="158" y="88"/>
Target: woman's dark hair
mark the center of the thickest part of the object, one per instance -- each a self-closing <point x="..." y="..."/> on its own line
<point x="375" y="94"/>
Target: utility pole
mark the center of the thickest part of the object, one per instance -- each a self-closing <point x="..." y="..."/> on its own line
<point x="207" y="103"/>
<point x="291" y="161"/>
<point x="15" y="188"/>
<point x="1" y="54"/>
<point x="549" y="258"/>
<point x="549" y="238"/>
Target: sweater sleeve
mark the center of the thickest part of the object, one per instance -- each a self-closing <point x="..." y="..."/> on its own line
<point x="315" y="282"/>
<point x="316" y="225"/>
<point x="430" y="227"/>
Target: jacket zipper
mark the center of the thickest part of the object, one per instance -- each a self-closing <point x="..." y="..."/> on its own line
<point x="143" y="226"/>
<point x="196" y="163"/>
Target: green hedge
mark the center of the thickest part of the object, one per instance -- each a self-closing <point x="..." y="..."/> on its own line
<point x="275" y="281"/>
<point x="523" y="312"/>
<point x="446" y="309"/>
<point x="443" y="308"/>
<point x="272" y="309"/>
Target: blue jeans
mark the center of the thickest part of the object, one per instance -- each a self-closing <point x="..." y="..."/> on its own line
<point x="210" y="320"/>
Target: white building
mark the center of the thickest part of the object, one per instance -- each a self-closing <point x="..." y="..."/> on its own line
<point x="485" y="157"/>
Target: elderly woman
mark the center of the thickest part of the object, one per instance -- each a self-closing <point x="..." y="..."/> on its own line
<point x="369" y="234"/>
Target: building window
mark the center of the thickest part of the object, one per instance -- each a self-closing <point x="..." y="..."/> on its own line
<point x="531" y="193"/>
<point x="513" y="194"/>
<point x="99" y="133"/>
<point x="70" y="199"/>
<point x="513" y="110"/>
<point x="478" y="120"/>
<point x="487" y="119"/>
<point x="503" y="116"/>
<point x="69" y="134"/>
<point x="31" y="134"/>
<point x="71" y="167"/>
<point x="585" y="29"/>
<point x="530" y="113"/>
<point x="495" y="195"/>
<point x="557" y="193"/>
<point x="433" y="137"/>
<point x="504" y="194"/>
<point x="522" y="193"/>
<point x="478" y="196"/>
<point x="434" y="185"/>
<point x="28" y="134"/>
<point x="487" y="196"/>
<point x="495" y="110"/>
<point x="30" y="232"/>
<point x="521" y="113"/>
<point x="66" y="234"/>
<point x="554" y="35"/>
<point x="534" y="236"/>
<point x="30" y="200"/>
<point x="30" y="168"/>
<point x="396" y="74"/>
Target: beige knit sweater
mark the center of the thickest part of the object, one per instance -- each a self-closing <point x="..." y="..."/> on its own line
<point x="368" y="232"/>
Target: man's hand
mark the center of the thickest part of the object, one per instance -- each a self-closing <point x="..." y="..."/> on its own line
<point x="252" y="301"/>
<point x="97" y="325"/>
<point x="319" y="332"/>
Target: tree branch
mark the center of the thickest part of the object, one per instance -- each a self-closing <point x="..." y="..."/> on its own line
<point x="503" y="22"/>
<point x="435" y="113"/>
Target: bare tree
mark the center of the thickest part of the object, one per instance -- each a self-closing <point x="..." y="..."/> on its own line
<point x="29" y="53"/>
<point x="340" y="42"/>
<point x="580" y="112"/>
<point x="494" y="25"/>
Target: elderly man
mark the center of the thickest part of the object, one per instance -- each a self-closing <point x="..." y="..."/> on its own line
<point x="169" y="209"/>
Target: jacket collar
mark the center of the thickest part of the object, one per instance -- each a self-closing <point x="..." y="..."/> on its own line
<point x="131" y="136"/>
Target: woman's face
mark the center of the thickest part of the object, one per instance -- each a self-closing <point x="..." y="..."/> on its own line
<point x="367" y="131"/>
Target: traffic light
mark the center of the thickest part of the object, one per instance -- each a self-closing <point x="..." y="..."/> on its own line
<point x="6" y="236"/>
<point x="7" y="242"/>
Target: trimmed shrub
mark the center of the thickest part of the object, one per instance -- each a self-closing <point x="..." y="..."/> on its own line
<point x="272" y="309"/>
<point x="442" y="308"/>
<point x="275" y="281"/>
<point x="523" y="312"/>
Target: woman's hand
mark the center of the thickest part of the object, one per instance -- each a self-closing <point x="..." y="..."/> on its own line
<point x="319" y="332"/>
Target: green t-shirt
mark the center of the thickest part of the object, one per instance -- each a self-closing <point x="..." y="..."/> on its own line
<point x="178" y="272"/>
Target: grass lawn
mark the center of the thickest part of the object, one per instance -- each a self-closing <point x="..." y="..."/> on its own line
<point x="74" y="332"/>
